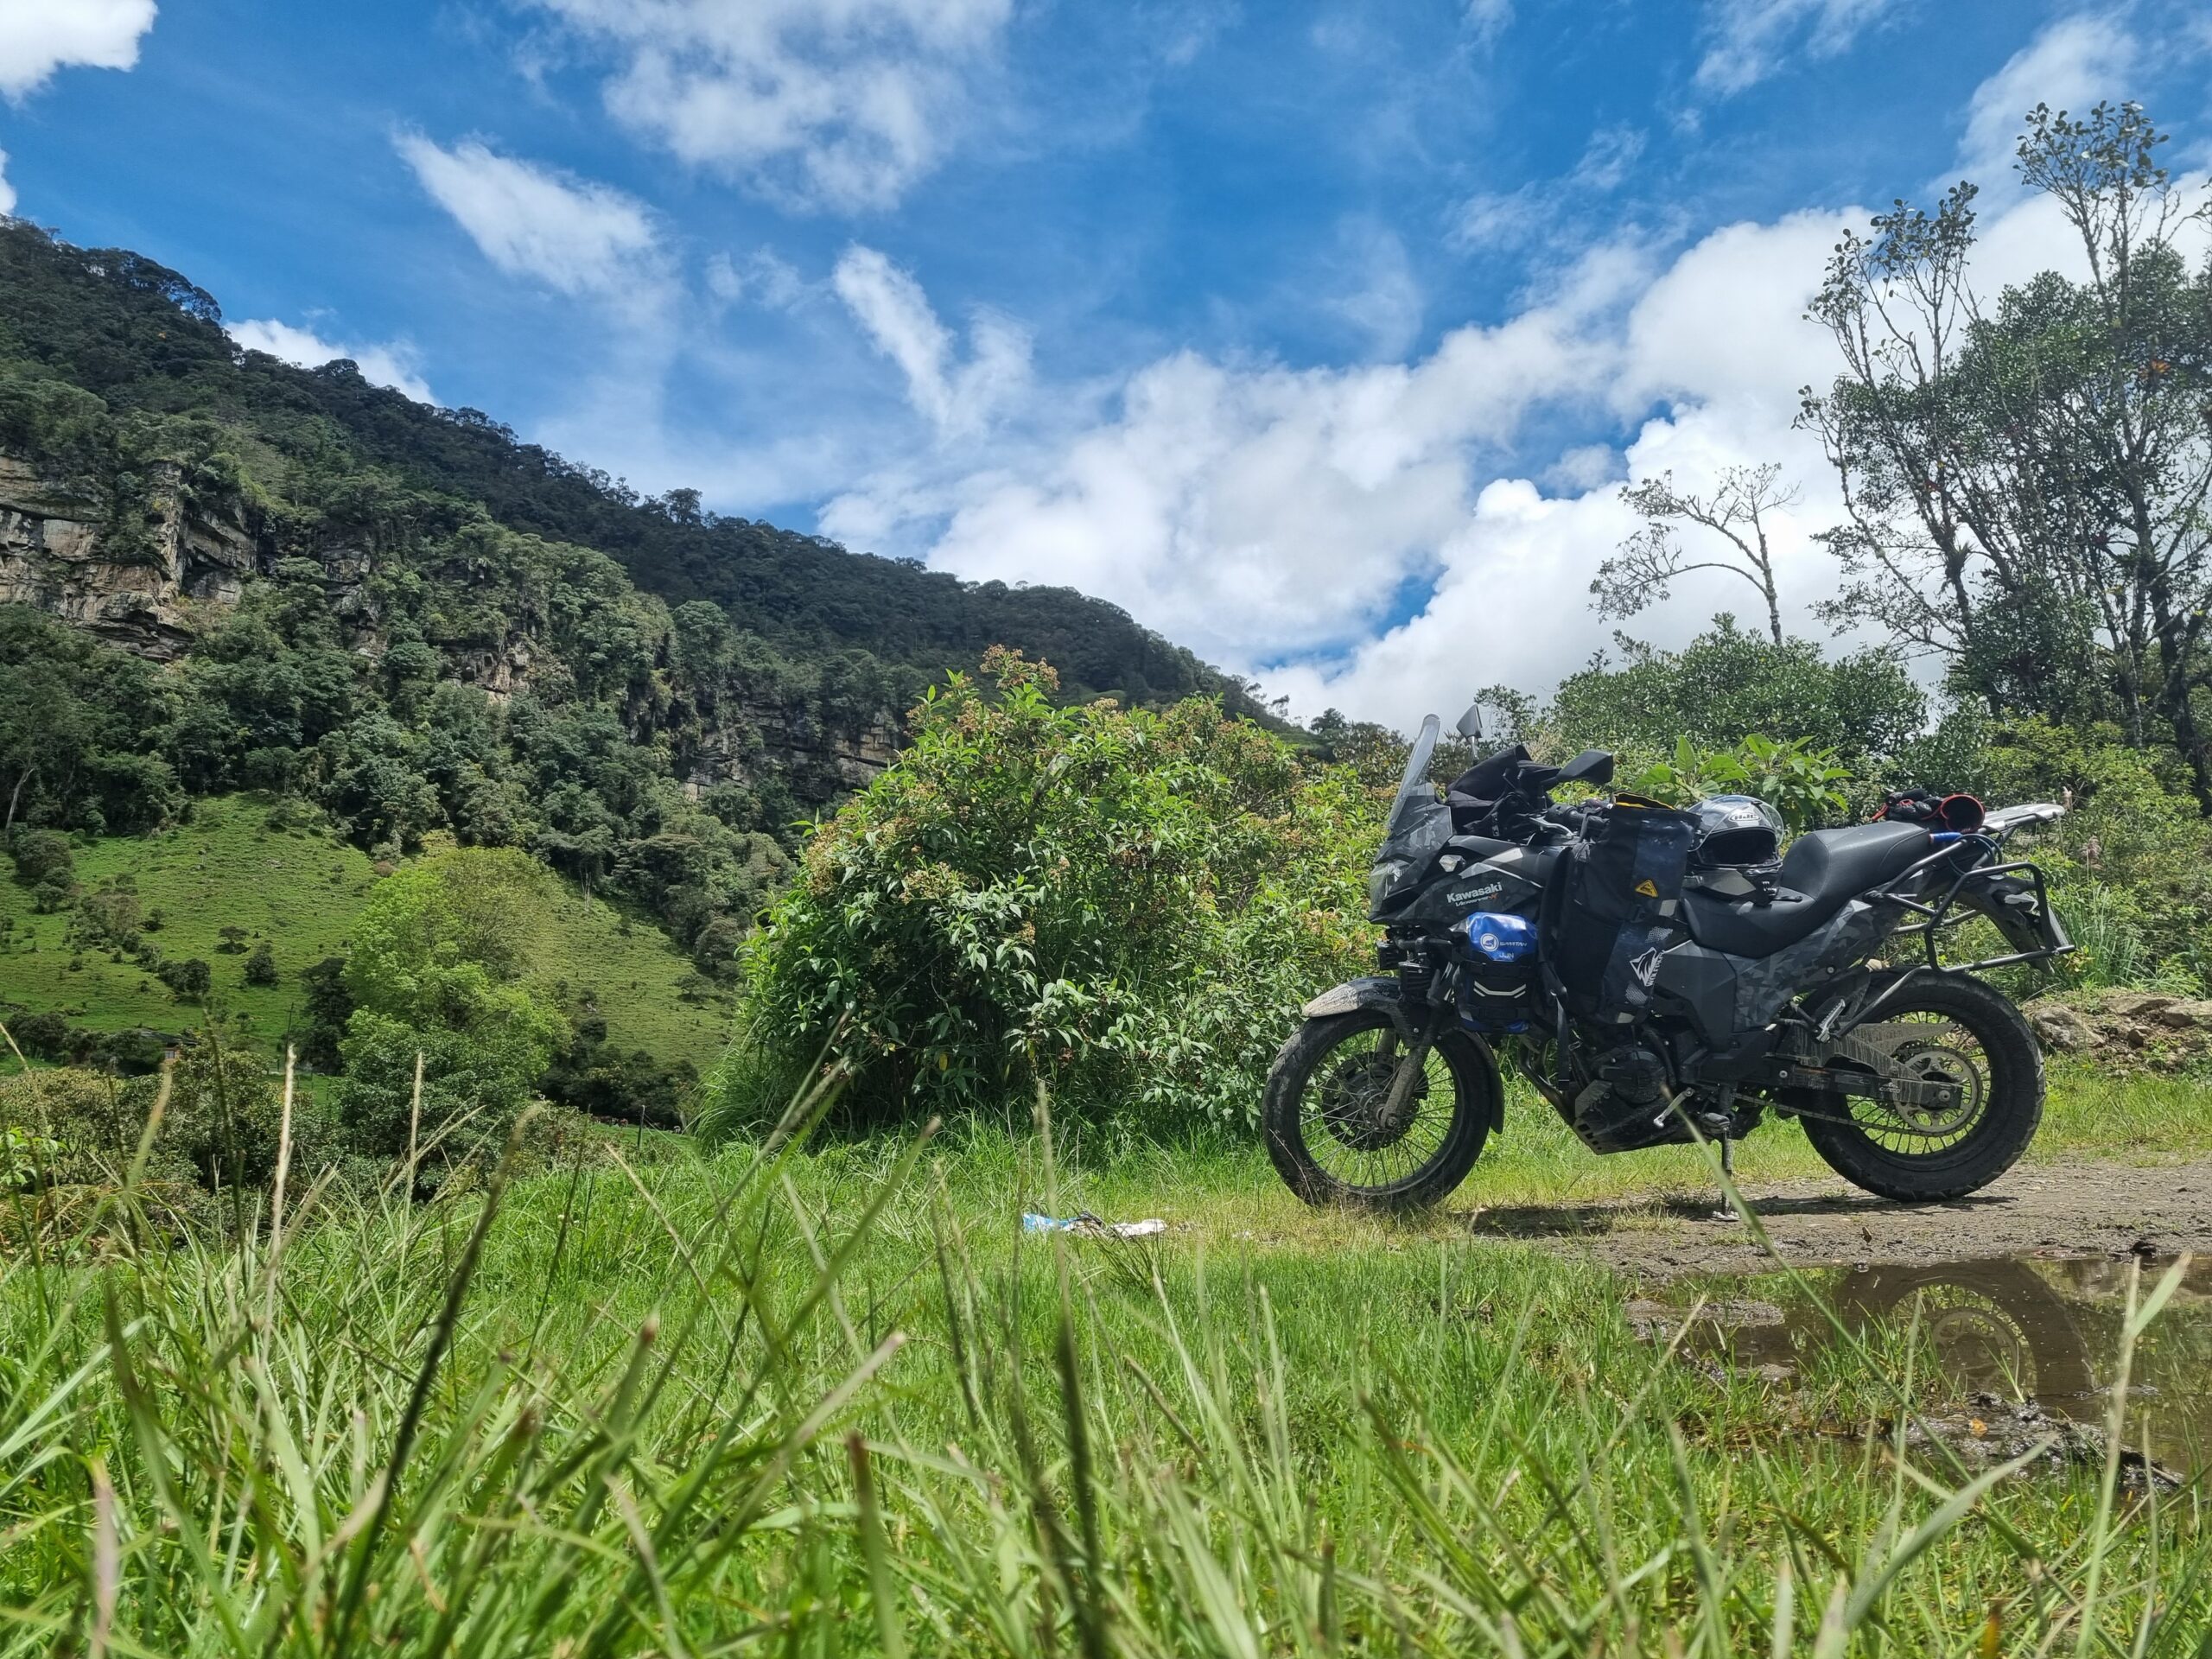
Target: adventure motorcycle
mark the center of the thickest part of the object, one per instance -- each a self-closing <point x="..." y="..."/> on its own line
<point x="1661" y="976"/>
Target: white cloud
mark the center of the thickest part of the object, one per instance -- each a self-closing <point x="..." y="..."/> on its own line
<point x="7" y="190"/>
<point x="1254" y="509"/>
<point x="2071" y="65"/>
<point x="835" y="102"/>
<point x="397" y="365"/>
<point x="1283" y="522"/>
<point x="1501" y="221"/>
<point x="573" y="235"/>
<point x="1488" y="19"/>
<point x="1380" y="297"/>
<point x="40" y="36"/>
<point x="760" y="279"/>
<point x="890" y="306"/>
<point x="1746" y="41"/>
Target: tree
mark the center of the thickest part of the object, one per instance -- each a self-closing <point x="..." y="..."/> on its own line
<point x="1728" y="683"/>
<point x="438" y="969"/>
<point x="1641" y="573"/>
<point x="2026" y="483"/>
<point x="189" y="981"/>
<point x="260" y="965"/>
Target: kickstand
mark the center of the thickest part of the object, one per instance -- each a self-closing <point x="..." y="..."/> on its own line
<point x="1727" y="1212"/>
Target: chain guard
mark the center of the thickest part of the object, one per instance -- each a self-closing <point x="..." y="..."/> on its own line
<point x="1887" y="1064"/>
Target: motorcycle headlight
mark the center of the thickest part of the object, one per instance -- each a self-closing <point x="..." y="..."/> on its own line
<point x="1381" y="879"/>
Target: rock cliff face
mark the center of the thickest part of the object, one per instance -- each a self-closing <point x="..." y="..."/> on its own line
<point x="817" y="763"/>
<point x="144" y="589"/>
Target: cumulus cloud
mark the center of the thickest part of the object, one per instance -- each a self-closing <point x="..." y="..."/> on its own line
<point x="1386" y="538"/>
<point x="1248" y="509"/>
<point x="891" y="308"/>
<point x="396" y="364"/>
<point x="1746" y="41"/>
<point x="2072" y="64"/>
<point x="575" y="236"/>
<point x="842" y="104"/>
<point x="40" y="36"/>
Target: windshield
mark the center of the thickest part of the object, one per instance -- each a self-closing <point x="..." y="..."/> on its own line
<point x="1413" y="788"/>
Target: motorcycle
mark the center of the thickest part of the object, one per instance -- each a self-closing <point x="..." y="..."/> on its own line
<point x="1661" y="975"/>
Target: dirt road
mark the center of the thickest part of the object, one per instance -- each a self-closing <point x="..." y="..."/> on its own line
<point x="2047" y="1208"/>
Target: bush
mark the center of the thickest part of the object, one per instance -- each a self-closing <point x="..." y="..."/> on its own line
<point x="189" y="981"/>
<point x="629" y="1087"/>
<point x="42" y="856"/>
<point x="438" y="953"/>
<point x="41" y="1036"/>
<point x="221" y="1126"/>
<point x="260" y="965"/>
<point x="1128" y="907"/>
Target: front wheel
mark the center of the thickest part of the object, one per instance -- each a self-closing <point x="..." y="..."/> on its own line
<point x="1334" y="1134"/>
<point x="1950" y="1028"/>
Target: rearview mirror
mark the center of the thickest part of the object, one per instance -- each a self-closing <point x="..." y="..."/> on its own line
<point x="1470" y="724"/>
<point x="1591" y="766"/>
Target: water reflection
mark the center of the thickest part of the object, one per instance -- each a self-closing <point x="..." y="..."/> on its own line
<point x="2021" y="1329"/>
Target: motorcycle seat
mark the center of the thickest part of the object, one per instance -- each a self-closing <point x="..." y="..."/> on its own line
<point x="1823" y="869"/>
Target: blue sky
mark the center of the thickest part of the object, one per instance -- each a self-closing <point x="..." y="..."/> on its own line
<point x="1319" y="336"/>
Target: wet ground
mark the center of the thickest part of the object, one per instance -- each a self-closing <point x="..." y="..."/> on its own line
<point x="2090" y="1210"/>
<point x="2025" y="1350"/>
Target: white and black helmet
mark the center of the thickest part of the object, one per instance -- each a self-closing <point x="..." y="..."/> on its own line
<point x="1738" y="849"/>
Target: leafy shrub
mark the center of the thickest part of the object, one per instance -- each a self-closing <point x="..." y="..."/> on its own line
<point x="189" y="981"/>
<point x="42" y="857"/>
<point x="439" y="954"/>
<point x="1127" y="907"/>
<point x="42" y="1036"/>
<point x="1804" y="784"/>
<point x="260" y="965"/>
<point x="221" y="1127"/>
<point x="632" y="1087"/>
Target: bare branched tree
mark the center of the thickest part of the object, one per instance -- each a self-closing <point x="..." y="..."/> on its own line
<point x="1643" y="571"/>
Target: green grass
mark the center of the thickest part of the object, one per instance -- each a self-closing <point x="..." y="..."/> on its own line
<point x="300" y="891"/>
<point x="837" y="1403"/>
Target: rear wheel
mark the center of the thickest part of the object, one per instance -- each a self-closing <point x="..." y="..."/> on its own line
<point x="1336" y="1138"/>
<point x="1939" y="1028"/>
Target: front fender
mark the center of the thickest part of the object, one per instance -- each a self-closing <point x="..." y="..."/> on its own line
<point x="1353" y="995"/>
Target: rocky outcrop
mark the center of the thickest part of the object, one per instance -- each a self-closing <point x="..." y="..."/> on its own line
<point x="144" y="587"/>
<point x="788" y="742"/>
<point x="2126" y="1030"/>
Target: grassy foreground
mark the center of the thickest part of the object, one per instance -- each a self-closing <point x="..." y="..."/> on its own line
<point x="814" y="1403"/>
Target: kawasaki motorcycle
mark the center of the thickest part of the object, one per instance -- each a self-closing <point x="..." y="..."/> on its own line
<point x="1660" y="976"/>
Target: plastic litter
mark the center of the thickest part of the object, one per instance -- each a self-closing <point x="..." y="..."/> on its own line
<point x="1087" y="1225"/>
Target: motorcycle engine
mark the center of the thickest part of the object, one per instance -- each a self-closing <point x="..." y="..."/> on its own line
<point x="1625" y="1106"/>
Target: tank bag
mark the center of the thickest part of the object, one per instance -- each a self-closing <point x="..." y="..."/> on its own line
<point x="1613" y="906"/>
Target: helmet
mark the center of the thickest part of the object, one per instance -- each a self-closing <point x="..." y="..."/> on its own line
<point x="1737" y="850"/>
<point x="1734" y="830"/>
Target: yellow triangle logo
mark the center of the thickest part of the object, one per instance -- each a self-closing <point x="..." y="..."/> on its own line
<point x="1645" y="887"/>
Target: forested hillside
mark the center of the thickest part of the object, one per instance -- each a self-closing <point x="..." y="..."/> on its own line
<point x="146" y="342"/>
<point x="230" y="574"/>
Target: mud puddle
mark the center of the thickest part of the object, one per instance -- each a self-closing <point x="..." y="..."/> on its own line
<point x="2027" y="1349"/>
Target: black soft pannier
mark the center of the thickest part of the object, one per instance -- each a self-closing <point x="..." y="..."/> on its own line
<point x="1614" y="905"/>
